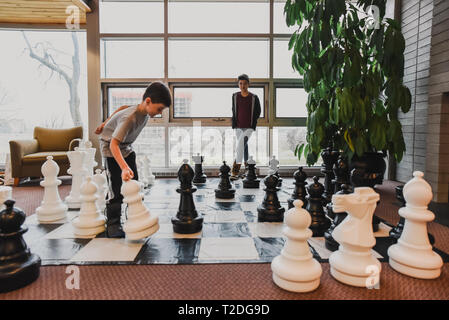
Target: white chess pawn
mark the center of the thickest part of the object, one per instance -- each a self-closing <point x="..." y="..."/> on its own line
<point x="140" y="223"/>
<point x="52" y="209"/>
<point x="5" y="194"/>
<point x="89" y="222"/>
<point x="295" y="269"/>
<point x="149" y="173"/>
<point x="78" y="172"/>
<point x="101" y="182"/>
<point x="354" y="263"/>
<point x="89" y="160"/>
<point x="413" y="254"/>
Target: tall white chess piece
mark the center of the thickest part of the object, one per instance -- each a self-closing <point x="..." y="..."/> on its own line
<point x="140" y="223"/>
<point x="89" y="160"/>
<point x="413" y="254"/>
<point x="101" y="182"/>
<point x="295" y="269"/>
<point x="52" y="209"/>
<point x="143" y="173"/>
<point x="149" y="173"/>
<point x="5" y="194"/>
<point x="78" y="171"/>
<point x="353" y="263"/>
<point x="273" y="165"/>
<point x="89" y="222"/>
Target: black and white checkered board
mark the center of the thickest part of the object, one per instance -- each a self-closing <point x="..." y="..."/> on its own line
<point x="230" y="234"/>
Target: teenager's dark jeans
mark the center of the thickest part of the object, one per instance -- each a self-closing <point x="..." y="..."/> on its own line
<point x="114" y="175"/>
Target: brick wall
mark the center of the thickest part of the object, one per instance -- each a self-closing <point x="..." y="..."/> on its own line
<point x="416" y="21"/>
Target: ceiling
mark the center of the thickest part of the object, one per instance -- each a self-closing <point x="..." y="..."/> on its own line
<point x="42" y="12"/>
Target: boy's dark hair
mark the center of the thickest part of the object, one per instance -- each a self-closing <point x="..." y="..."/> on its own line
<point x="243" y="77"/>
<point x="158" y="93"/>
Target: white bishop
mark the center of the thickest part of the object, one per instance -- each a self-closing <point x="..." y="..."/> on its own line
<point x="140" y="223"/>
<point x="413" y="254"/>
<point x="295" y="269"/>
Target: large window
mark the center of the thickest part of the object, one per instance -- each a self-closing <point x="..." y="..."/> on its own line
<point x="37" y="92"/>
<point x="199" y="51"/>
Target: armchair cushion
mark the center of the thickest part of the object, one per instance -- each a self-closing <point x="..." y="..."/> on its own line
<point x="59" y="156"/>
<point x="56" y="139"/>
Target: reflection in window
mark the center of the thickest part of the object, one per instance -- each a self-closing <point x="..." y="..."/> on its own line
<point x="285" y="140"/>
<point x="206" y="102"/>
<point x="151" y="143"/>
<point x="216" y="144"/>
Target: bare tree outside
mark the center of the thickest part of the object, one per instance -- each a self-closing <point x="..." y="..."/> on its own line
<point x="44" y="52"/>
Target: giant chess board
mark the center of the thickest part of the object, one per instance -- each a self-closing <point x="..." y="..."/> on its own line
<point x="230" y="234"/>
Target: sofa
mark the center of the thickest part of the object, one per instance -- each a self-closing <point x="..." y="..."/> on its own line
<point x="28" y="156"/>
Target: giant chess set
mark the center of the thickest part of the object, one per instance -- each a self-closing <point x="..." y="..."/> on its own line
<point x="295" y="224"/>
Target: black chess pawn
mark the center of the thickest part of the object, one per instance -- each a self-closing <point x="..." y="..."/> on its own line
<point x="271" y="210"/>
<point x="396" y="232"/>
<point x="315" y="206"/>
<point x="200" y="177"/>
<point x="330" y="242"/>
<point x="225" y="190"/>
<point x="18" y="267"/>
<point x="251" y="180"/>
<point x="300" y="188"/>
<point x="329" y="159"/>
<point x="187" y="219"/>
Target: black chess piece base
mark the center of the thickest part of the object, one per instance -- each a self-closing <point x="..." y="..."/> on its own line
<point x="270" y="214"/>
<point x="187" y="226"/>
<point x="16" y="275"/>
<point x="248" y="184"/>
<point x="224" y="194"/>
<point x="201" y="180"/>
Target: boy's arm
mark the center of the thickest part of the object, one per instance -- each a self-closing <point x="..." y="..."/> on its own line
<point x="127" y="173"/>
<point x="101" y="126"/>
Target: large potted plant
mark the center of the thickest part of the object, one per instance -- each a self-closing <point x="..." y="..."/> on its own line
<point x="352" y="66"/>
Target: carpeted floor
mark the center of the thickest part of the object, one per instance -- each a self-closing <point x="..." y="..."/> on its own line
<point x="221" y="281"/>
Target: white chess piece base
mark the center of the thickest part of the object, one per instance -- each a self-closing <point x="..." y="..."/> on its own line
<point x="53" y="213"/>
<point x="141" y="226"/>
<point x="142" y="234"/>
<point x="89" y="228"/>
<point x="352" y="267"/>
<point x="426" y="265"/>
<point x="291" y="280"/>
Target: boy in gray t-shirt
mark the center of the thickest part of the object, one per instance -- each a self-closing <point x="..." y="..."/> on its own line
<point x="118" y="133"/>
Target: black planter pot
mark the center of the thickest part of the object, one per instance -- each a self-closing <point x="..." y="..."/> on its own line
<point x="367" y="171"/>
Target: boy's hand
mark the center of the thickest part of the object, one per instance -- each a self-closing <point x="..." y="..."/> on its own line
<point x="127" y="174"/>
<point x="100" y="128"/>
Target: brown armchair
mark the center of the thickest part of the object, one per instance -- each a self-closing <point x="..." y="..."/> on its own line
<point x="28" y="156"/>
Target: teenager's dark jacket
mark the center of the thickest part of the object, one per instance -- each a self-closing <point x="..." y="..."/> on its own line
<point x="255" y="110"/>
